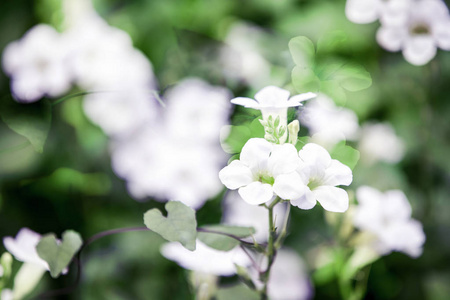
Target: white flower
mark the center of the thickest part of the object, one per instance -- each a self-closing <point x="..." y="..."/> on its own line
<point x="367" y="11"/>
<point x="379" y="142"/>
<point x="426" y="28"/>
<point x="388" y="217"/>
<point x="239" y="213"/>
<point x="197" y="111"/>
<point x="37" y="64"/>
<point x="259" y="166"/>
<point x="23" y="247"/>
<point x="327" y="123"/>
<point x="273" y="101"/>
<point x="205" y="259"/>
<point x="316" y="179"/>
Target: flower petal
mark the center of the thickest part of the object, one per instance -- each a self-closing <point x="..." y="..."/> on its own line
<point x="419" y="50"/>
<point x="256" y="193"/>
<point x="441" y="32"/>
<point x="255" y="153"/>
<point x="332" y="198"/>
<point x="272" y="96"/>
<point x="307" y="201"/>
<point x="338" y="174"/>
<point x="315" y="155"/>
<point x="283" y="159"/>
<point x="391" y="38"/>
<point x="246" y="102"/>
<point x="362" y="11"/>
<point x="295" y="100"/>
<point x="289" y="186"/>
<point x="235" y="175"/>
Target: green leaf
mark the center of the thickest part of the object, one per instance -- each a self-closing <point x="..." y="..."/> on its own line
<point x="363" y="256"/>
<point x="302" y="51"/>
<point x="59" y="255"/>
<point x="349" y="75"/>
<point x="332" y="41"/>
<point x="305" y="80"/>
<point x="180" y="224"/>
<point x="332" y="89"/>
<point x="345" y="154"/>
<point x="236" y="139"/>
<point x="237" y="292"/>
<point x="29" y="120"/>
<point x="218" y="239"/>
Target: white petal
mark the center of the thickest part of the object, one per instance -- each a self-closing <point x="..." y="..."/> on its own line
<point x="315" y="155"/>
<point x="441" y="33"/>
<point x="391" y="38"/>
<point x="289" y="186"/>
<point x="419" y="50"/>
<point x="295" y="100"/>
<point x="332" y="198"/>
<point x="256" y="193"/>
<point x="247" y="102"/>
<point x="284" y="159"/>
<point x="235" y="175"/>
<point x="338" y="174"/>
<point x="27" y="278"/>
<point x="272" y="96"/>
<point x="395" y="13"/>
<point x="362" y="11"/>
<point x="396" y="205"/>
<point x="256" y="152"/>
<point x="307" y="201"/>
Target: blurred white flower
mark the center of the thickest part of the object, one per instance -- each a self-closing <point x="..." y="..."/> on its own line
<point x="388" y="217"/>
<point x="426" y="28"/>
<point x="378" y="142"/>
<point x="260" y="164"/>
<point x="197" y="111"/>
<point x="241" y="57"/>
<point x="119" y="113"/>
<point x="239" y="213"/>
<point x="7" y="294"/>
<point x="38" y="64"/>
<point x="367" y="11"/>
<point x="273" y="101"/>
<point x="205" y="259"/>
<point x="23" y="247"/>
<point x="315" y="180"/>
<point x="327" y="123"/>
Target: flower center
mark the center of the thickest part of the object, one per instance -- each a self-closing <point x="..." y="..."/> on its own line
<point x="314" y="183"/>
<point x="265" y="178"/>
<point x="420" y="28"/>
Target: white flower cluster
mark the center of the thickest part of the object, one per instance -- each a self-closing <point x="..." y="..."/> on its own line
<point x="417" y="27"/>
<point x="179" y="157"/>
<point x="265" y="169"/>
<point x="387" y="216"/>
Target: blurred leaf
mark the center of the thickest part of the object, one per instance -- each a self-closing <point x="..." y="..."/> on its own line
<point x="362" y="257"/>
<point x="237" y="292"/>
<point x="324" y="274"/>
<point x="332" y="41"/>
<point x="29" y="120"/>
<point x="6" y="263"/>
<point x="302" y="51"/>
<point x="333" y="90"/>
<point x="345" y="154"/>
<point x="59" y="255"/>
<point x="180" y="224"/>
<point x="352" y="77"/>
<point x="305" y="80"/>
<point x="220" y="241"/>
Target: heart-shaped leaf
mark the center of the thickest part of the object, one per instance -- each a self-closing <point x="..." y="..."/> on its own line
<point x="345" y="154"/>
<point x="305" y="80"/>
<point x="59" y="254"/>
<point x="30" y="120"/>
<point x="180" y="224"/>
<point x="302" y="51"/>
<point x="217" y="236"/>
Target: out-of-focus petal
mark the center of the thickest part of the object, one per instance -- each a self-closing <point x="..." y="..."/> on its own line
<point x="419" y="50"/>
<point x="256" y="193"/>
<point x="391" y="38"/>
<point x="332" y="198"/>
<point x="362" y="11"/>
<point x="235" y="175"/>
<point x="441" y="32"/>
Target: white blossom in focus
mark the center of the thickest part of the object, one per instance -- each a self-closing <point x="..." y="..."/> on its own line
<point x="378" y="142"/>
<point x="426" y="28"/>
<point x="327" y="123"/>
<point x="37" y="64"/>
<point x="387" y="216"/>
<point x="205" y="259"/>
<point x="23" y="247"/>
<point x="260" y="164"/>
<point x="237" y="212"/>
<point x="316" y="179"/>
<point x="367" y="11"/>
<point x="273" y="102"/>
